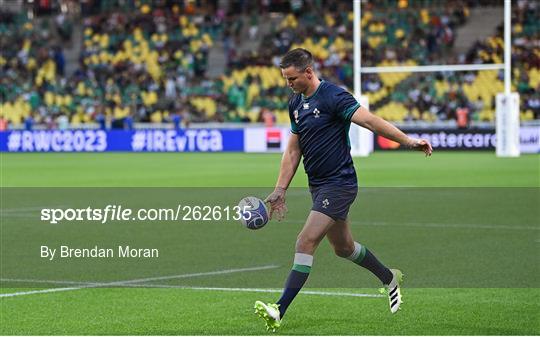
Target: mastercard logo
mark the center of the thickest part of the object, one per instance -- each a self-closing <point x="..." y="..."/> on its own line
<point x="386" y="144"/>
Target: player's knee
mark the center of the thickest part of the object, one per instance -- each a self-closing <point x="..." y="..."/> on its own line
<point x="344" y="251"/>
<point x="306" y="244"/>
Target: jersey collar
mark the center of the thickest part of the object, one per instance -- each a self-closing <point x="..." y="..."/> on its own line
<point x="315" y="93"/>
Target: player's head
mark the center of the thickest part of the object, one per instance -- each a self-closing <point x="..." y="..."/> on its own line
<point x="297" y="68"/>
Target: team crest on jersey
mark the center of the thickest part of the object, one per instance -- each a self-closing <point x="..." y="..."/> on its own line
<point x="296" y="116"/>
<point x="306" y="106"/>
<point x="316" y="112"/>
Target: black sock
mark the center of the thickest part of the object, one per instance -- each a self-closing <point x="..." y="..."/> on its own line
<point x="363" y="257"/>
<point x="371" y="263"/>
<point x="296" y="280"/>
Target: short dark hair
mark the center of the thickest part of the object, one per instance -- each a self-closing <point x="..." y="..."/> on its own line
<point x="299" y="58"/>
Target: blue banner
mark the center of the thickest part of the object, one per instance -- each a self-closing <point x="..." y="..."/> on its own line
<point x="190" y="140"/>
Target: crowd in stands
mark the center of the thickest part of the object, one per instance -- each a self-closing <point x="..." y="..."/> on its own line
<point x="31" y="60"/>
<point x="148" y="61"/>
<point x="525" y="55"/>
<point x="137" y="64"/>
<point x="443" y="94"/>
<point x="407" y="34"/>
<point x="410" y="33"/>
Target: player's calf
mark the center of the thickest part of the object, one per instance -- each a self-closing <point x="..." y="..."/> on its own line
<point x="344" y="252"/>
<point x="365" y="258"/>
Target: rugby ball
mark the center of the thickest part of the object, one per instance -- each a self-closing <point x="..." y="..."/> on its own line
<point x="253" y="211"/>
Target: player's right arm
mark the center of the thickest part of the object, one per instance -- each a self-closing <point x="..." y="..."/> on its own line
<point x="289" y="165"/>
<point x="366" y="119"/>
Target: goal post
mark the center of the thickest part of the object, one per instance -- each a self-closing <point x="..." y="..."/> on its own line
<point x="507" y="103"/>
<point x="361" y="138"/>
<point x="507" y="124"/>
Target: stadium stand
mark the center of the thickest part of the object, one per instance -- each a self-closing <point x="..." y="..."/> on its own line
<point x="389" y="40"/>
<point x="442" y="94"/>
<point x="29" y="60"/>
<point x="148" y="61"/>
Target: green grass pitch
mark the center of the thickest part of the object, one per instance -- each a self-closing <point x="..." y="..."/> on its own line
<point x="464" y="227"/>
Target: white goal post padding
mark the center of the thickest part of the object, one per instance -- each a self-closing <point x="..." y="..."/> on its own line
<point x="361" y="138"/>
<point x="507" y="125"/>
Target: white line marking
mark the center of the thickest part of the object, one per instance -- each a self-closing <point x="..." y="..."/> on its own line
<point x="127" y="282"/>
<point x="464" y="225"/>
<point x="20" y="293"/>
<point x="33" y="208"/>
<point x="256" y="290"/>
<point x="18" y="215"/>
<point x="432" y="225"/>
<point x="219" y="272"/>
<point x="25" y="280"/>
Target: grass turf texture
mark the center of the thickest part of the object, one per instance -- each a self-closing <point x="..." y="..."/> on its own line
<point x="439" y="252"/>
<point x="194" y="312"/>
<point x="250" y="170"/>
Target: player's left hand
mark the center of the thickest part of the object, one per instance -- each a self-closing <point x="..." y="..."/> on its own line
<point x="421" y="145"/>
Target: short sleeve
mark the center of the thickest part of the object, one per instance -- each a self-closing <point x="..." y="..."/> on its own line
<point x="345" y="104"/>
<point x="294" y="126"/>
<point x="292" y="117"/>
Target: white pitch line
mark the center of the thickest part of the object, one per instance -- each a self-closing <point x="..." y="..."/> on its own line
<point x="20" y="293"/>
<point x="219" y="272"/>
<point x="432" y="225"/>
<point x="33" y="208"/>
<point x="25" y="280"/>
<point x="464" y="226"/>
<point x="127" y="282"/>
<point x="18" y="215"/>
<point x="256" y="290"/>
